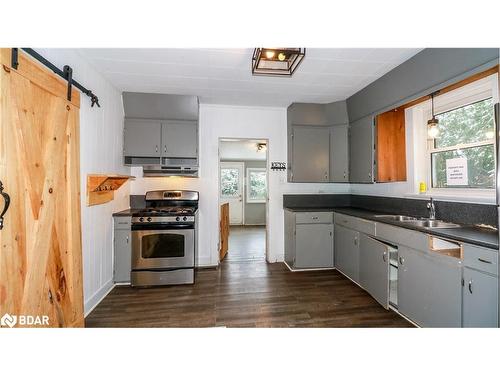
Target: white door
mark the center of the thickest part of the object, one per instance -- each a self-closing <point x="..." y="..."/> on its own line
<point x="231" y="190"/>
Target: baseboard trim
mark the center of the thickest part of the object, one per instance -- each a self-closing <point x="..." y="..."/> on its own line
<point x="98" y="296"/>
<point x="308" y="269"/>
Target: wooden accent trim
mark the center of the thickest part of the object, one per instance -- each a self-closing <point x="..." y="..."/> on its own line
<point x="35" y="72"/>
<point x="101" y="188"/>
<point x="466" y="81"/>
<point x="391" y="146"/>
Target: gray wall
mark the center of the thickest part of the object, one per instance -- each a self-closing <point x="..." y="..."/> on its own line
<point x="255" y="213"/>
<point x="160" y="106"/>
<point x="427" y="71"/>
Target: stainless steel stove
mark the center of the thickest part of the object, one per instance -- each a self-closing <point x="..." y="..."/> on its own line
<point x="164" y="239"/>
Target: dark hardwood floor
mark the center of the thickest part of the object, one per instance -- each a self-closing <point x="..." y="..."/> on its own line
<point x="245" y="291"/>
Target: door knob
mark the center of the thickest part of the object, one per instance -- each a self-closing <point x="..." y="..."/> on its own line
<point x="6" y="198"/>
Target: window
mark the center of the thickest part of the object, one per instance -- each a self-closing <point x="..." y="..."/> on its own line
<point x="257" y="185"/>
<point x="463" y="155"/>
<point x="230" y="182"/>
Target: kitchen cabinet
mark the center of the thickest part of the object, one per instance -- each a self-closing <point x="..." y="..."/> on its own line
<point x="479" y="298"/>
<point x="310" y="154"/>
<point x="309" y="239"/>
<point x="346" y="251"/>
<point x="339" y="153"/>
<point x="374" y="267"/>
<point x="429" y="288"/>
<point x="179" y="139"/>
<point x="361" y="150"/>
<point x="390" y="150"/>
<point x="122" y="249"/>
<point x="142" y="138"/>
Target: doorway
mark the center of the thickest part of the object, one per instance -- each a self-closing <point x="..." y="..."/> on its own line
<point x="243" y="198"/>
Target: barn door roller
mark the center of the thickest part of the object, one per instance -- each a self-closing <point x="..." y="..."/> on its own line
<point x="66" y="73"/>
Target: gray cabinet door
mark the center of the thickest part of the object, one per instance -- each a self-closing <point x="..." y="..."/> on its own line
<point x="339" y="153"/>
<point x="314" y="245"/>
<point x="361" y="150"/>
<point x="142" y="138"/>
<point x="179" y="139"/>
<point x="429" y="288"/>
<point x="374" y="268"/>
<point x="122" y="256"/>
<point x="311" y="154"/>
<point x="480" y="299"/>
<point x="346" y="251"/>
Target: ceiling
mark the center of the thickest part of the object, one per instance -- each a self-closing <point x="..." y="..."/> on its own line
<point x="223" y="76"/>
<point x="245" y="149"/>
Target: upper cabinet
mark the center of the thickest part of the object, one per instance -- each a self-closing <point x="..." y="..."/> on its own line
<point x="318" y="142"/>
<point x="311" y="154"/>
<point x="377" y="148"/>
<point x="142" y="138"/>
<point x="161" y="133"/>
<point x="361" y="150"/>
<point x="391" y="146"/>
<point x="179" y="139"/>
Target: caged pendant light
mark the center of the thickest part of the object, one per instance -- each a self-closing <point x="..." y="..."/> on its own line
<point x="276" y="61"/>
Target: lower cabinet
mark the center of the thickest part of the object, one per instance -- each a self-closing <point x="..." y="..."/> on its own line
<point x="122" y="250"/>
<point x="309" y="239"/>
<point x="374" y="266"/>
<point x="429" y="288"/>
<point x="347" y="251"/>
<point x="314" y="246"/>
<point x="479" y="298"/>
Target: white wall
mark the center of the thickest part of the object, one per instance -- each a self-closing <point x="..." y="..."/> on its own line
<point x="101" y="135"/>
<point x="219" y="121"/>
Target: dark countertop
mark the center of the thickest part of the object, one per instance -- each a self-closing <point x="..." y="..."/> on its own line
<point x="467" y="233"/>
<point x="127" y="212"/>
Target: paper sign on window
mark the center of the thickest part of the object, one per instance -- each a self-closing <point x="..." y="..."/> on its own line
<point x="456" y="172"/>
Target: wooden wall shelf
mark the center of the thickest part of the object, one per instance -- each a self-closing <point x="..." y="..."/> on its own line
<point x="101" y="187"/>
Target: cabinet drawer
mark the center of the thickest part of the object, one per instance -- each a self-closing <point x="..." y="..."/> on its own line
<point x="123" y="222"/>
<point x="361" y="225"/>
<point x="401" y="236"/>
<point x="481" y="259"/>
<point x="314" y="217"/>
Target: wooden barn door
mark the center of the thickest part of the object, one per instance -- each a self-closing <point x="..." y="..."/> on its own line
<point x="40" y="243"/>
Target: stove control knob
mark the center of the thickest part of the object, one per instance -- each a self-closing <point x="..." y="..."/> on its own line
<point x="141" y="219"/>
<point x="184" y="218"/>
<point x="177" y="218"/>
<point x="149" y="219"/>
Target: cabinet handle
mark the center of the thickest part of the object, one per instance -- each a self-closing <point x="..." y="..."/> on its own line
<point x="484" y="261"/>
<point x="470" y="286"/>
<point x="126" y="239"/>
<point x="384" y="256"/>
<point x="165" y="149"/>
<point x="355" y="241"/>
<point x="401" y="260"/>
<point x="156" y="148"/>
<point x="315" y="218"/>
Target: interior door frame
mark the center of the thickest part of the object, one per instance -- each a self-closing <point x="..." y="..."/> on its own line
<point x="266" y="140"/>
<point x="242" y="186"/>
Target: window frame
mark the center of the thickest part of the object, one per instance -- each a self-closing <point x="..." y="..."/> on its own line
<point x="249" y="171"/>
<point x="475" y="92"/>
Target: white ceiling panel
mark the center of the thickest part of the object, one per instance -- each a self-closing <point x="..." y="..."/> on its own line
<point x="223" y="76"/>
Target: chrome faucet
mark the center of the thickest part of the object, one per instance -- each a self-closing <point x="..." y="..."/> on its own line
<point x="432" y="210"/>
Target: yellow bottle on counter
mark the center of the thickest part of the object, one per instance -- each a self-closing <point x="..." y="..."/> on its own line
<point x="422" y="188"/>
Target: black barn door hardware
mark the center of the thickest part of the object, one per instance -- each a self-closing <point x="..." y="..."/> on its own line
<point x="6" y="204"/>
<point x="66" y="73"/>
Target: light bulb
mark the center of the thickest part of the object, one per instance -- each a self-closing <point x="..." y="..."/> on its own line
<point x="433" y="131"/>
<point x="269" y="54"/>
<point x="281" y="56"/>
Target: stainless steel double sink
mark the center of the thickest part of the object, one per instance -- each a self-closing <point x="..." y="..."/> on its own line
<point x="420" y="222"/>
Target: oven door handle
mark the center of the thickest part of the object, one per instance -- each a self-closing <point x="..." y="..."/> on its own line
<point x="162" y="226"/>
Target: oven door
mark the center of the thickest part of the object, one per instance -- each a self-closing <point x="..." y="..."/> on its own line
<point x="162" y="248"/>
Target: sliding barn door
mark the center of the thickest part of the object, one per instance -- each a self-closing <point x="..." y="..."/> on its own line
<point x="40" y="243"/>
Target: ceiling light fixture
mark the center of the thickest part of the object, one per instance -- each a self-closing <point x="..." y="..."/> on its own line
<point x="261" y="147"/>
<point x="276" y="61"/>
<point x="432" y="124"/>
